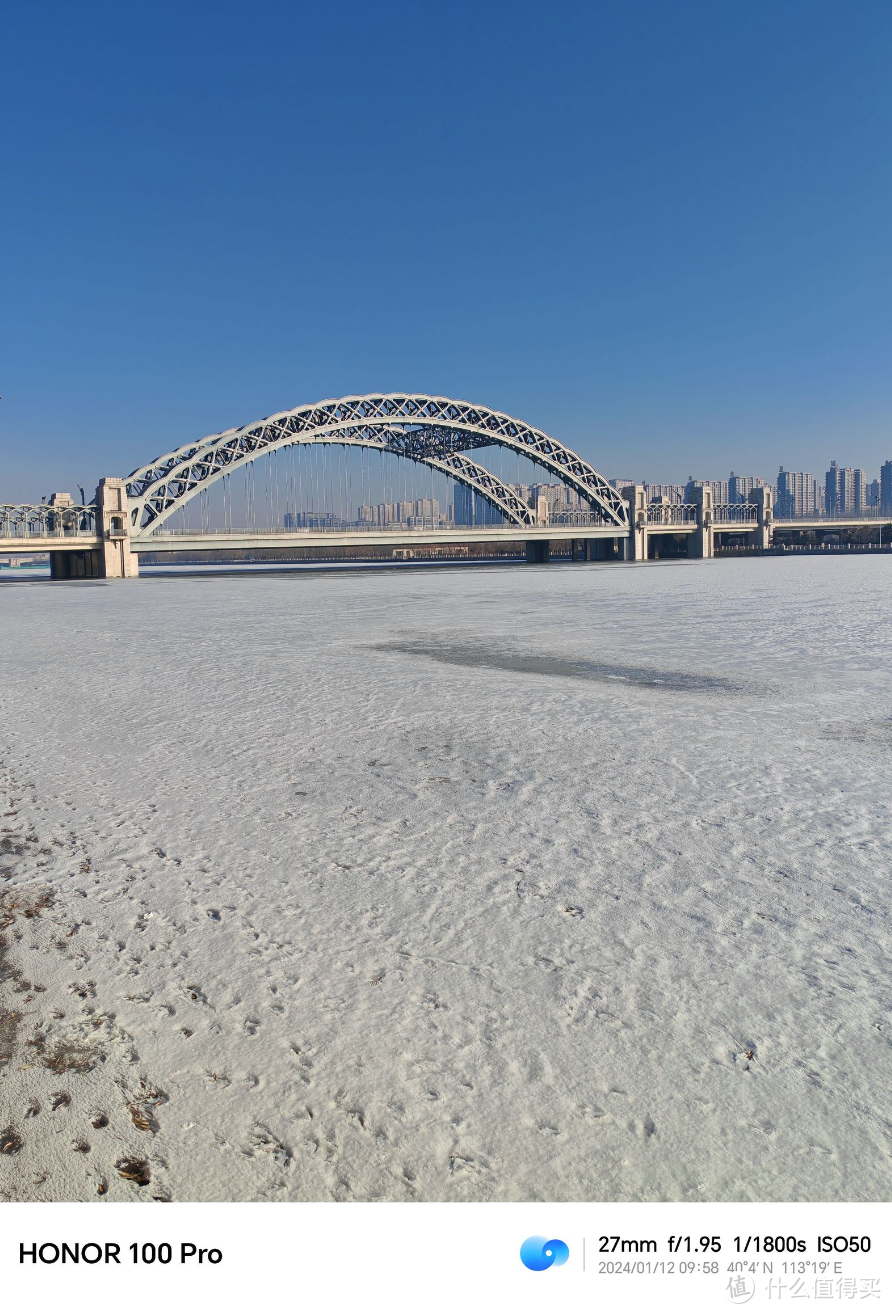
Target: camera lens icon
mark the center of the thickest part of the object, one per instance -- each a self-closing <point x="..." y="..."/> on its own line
<point x="538" y="1254"/>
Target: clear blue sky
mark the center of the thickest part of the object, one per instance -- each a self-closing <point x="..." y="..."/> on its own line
<point x="659" y="229"/>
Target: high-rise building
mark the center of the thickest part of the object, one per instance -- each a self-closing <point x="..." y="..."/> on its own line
<point x="872" y="496"/>
<point x="673" y="493"/>
<point x="558" y="497"/>
<point x="797" y="494"/>
<point x="720" y="491"/>
<point x="523" y="491"/>
<point x="469" y="508"/>
<point x="312" y="520"/>
<point x="845" y="490"/>
<point x="740" y="486"/>
<point x="424" y="512"/>
<point x="886" y="488"/>
<point x="462" y="505"/>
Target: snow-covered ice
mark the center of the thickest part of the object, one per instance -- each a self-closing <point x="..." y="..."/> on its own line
<point x="521" y="883"/>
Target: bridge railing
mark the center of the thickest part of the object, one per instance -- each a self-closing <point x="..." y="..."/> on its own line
<point x="671" y="513"/>
<point x="562" y="520"/>
<point x="573" y="517"/>
<point x="341" y="527"/>
<point x="44" y="521"/>
<point x="735" y="513"/>
<point x="867" y="514"/>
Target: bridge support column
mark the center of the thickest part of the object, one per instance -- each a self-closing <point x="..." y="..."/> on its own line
<point x="76" y="565"/>
<point x="538" y="551"/>
<point x="764" y="533"/>
<point x="113" y="523"/>
<point x="702" y="542"/>
<point x="603" y="549"/>
<point x="636" y="543"/>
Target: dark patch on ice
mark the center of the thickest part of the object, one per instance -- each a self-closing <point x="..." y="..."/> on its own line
<point x="568" y="668"/>
<point x="877" y="732"/>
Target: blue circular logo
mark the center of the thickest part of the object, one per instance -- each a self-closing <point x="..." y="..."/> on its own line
<point x="538" y="1254"/>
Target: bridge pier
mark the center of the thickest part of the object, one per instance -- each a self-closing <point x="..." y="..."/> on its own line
<point x="764" y="531"/>
<point x="603" y="549"/>
<point x="538" y="551"/>
<point x="112" y="522"/>
<point x="76" y="565"/>
<point x="636" y="542"/>
<point x="113" y="559"/>
<point x="702" y="542"/>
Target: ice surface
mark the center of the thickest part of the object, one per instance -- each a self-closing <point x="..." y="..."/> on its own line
<point x="522" y="883"/>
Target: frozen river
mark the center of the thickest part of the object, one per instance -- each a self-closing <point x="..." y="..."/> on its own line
<point x="563" y="882"/>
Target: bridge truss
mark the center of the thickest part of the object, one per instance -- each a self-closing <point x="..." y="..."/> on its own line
<point x="25" y="520"/>
<point x="431" y="431"/>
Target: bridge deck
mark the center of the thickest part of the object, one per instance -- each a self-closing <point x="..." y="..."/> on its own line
<point x="244" y="539"/>
<point x="227" y="542"/>
<point x="72" y="543"/>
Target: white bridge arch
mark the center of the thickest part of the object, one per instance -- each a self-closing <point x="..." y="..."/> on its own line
<point x="433" y="431"/>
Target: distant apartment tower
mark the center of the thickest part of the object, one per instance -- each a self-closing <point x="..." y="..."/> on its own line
<point x="384" y="513"/>
<point x="798" y="494"/>
<point x="673" y="493"/>
<point x="426" y="509"/>
<point x="469" y="508"/>
<point x="740" y="487"/>
<point x="886" y="489"/>
<point x="424" y="512"/>
<point x="845" y="490"/>
<point x="558" y="497"/>
<point x="720" y="492"/>
<point x="312" y="520"/>
<point x="873" y="494"/>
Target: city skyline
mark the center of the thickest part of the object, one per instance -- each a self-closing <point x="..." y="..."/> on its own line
<point x="794" y="493"/>
<point x="840" y="489"/>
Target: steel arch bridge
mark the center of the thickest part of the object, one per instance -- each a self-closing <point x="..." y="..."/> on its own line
<point x="432" y="431"/>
